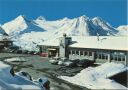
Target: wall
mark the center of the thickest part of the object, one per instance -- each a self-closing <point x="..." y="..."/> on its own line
<point x="99" y="56"/>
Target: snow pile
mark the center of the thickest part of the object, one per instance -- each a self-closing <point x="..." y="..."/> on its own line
<point x="97" y="78"/>
<point x="123" y="30"/>
<point x="16" y="59"/>
<point x="16" y="82"/>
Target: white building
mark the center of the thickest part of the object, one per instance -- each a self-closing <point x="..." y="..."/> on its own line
<point x="99" y="49"/>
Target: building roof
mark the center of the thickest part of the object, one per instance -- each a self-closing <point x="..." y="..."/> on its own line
<point x="104" y="42"/>
<point x="112" y="43"/>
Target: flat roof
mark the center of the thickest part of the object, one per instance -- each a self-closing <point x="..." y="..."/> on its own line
<point x="103" y="42"/>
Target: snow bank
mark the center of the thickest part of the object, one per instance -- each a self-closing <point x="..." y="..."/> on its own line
<point x="97" y="78"/>
<point x="16" y="82"/>
<point x="16" y="59"/>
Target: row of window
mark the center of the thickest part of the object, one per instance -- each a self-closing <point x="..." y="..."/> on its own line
<point x="118" y="57"/>
<point x="104" y="56"/>
<point x="85" y="53"/>
<point x="112" y="57"/>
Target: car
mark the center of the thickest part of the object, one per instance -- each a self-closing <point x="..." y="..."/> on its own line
<point x="68" y="63"/>
<point x="84" y="63"/>
<point x="54" y="61"/>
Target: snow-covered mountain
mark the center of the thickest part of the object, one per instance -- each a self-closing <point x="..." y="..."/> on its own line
<point x="28" y="33"/>
<point x="21" y="25"/>
<point x="81" y="26"/>
<point x="2" y="32"/>
<point x="123" y="30"/>
<point x="122" y="27"/>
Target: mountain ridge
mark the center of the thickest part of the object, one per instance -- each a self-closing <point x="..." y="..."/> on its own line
<point x="27" y="34"/>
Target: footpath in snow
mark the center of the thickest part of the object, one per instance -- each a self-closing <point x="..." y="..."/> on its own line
<point x="97" y="78"/>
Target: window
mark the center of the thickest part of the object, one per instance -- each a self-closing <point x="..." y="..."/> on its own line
<point x="70" y="52"/>
<point x="81" y="52"/>
<point x="73" y="52"/>
<point x="123" y="58"/>
<point x="119" y="58"/>
<point x="85" y="53"/>
<point x="68" y="41"/>
<point x="90" y="53"/>
<point x="100" y="56"/>
<point x="111" y="58"/>
<point x="77" y="52"/>
<point x="105" y="56"/>
<point x="116" y="58"/>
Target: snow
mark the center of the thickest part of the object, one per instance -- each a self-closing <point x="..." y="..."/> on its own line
<point x="97" y="78"/>
<point x="104" y="42"/>
<point x="16" y="82"/>
<point x="2" y="32"/>
<point x="16" y="59"/>
<point x="27" y="34"/>
<point x="110" y="42"/>
<point x="123" y="30"/>
<point x="21" y="25"/>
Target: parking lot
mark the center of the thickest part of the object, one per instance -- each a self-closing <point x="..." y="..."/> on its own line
<point x="38" y="66"/>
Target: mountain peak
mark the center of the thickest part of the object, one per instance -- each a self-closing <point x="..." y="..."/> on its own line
<point x="84" y="17"/>
<point x="20" y="17"/>
<point x="98" y="19"/>
<point x="41" y="18"/>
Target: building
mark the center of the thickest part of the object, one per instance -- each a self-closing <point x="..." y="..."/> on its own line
<point x="98" y="49"/>
<point x="5" y="42"/>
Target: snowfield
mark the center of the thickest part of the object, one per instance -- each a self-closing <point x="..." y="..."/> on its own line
<point x="16" y="82"/>
<point x="97" y="78"/>
<point x="123" y="30"/>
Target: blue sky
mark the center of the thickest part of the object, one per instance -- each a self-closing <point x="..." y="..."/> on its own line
<point x="112" y="11"/>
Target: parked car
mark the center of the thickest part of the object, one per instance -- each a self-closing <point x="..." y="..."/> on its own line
<point x="85" y="63"/>
<point x="69" y="64"/>
<point x="53" y="61"/>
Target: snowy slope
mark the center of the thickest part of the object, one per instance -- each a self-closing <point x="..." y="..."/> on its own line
<point x="123" y="30"/>
<point x="97" y="78"/>
<point x="28" y="33"/>
<point x="83" y="26"/>
<point x="16" y="82"/>
<point x="2" y="32"/>
<point x="21" y="25"/>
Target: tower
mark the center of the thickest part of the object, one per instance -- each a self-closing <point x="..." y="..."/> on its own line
<point x="63" y="46"/>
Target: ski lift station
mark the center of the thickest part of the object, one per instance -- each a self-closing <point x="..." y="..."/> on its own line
<point x="99" y="49"/>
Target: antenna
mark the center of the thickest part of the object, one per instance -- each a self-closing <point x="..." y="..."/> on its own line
<point x="98" y="36"/>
